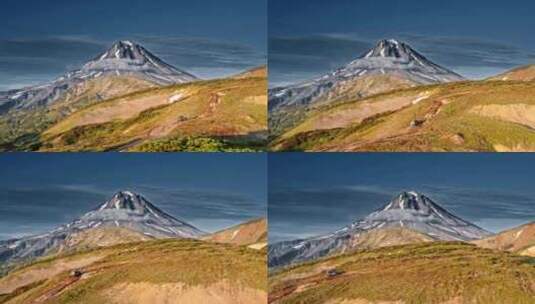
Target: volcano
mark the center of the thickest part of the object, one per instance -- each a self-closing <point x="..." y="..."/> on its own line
<point x="124" y="59"/>
<point x="409" y="217"/>
<point x="389" y="65"/>
<point x="126" y="216"/>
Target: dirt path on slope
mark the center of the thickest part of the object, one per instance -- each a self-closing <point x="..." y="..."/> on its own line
<point x="36" y="273"/>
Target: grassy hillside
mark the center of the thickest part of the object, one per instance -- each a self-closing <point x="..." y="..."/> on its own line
<point x="463" y="116"/>
<point x="127" y="115"/>
<point x="147" y="272"/>
<point x="448" y="272"/>
<point x="288" y="117"/>
<point x="20" y="130"/>
<point x="228" y="110"/>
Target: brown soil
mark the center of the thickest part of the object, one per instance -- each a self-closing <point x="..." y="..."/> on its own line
<point x="366" y="109"/>
<point x="518" y="113"/>
<point x="168" y="293"/>
<point x="124" y="109"/>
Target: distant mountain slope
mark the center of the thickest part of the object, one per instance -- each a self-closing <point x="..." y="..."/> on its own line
<point x="462" y="116"/>
<point x="523" y="73"/>
<point x="123" y="58"/>
<point x="157" y="271"/>
<point x="252" y="233"/>
<point x="437" y="272"/>
<point x="388" y="66"/>
<point x="260" y="72"/>
<point x="409" y="217"/>
<point x="520" y="240"/>
<point x="124" y="68"/>
<point x="126" y="216"/>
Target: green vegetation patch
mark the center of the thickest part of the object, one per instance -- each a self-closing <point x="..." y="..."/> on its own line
<point x="198" y="144"/>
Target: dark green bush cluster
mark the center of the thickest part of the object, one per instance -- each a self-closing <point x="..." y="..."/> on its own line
<point x="193" y="144"/>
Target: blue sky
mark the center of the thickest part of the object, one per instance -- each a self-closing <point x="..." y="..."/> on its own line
<point x="212" y="191"/>
<point x="317" y="193"/>
<point x="476" y="38"/>
<point x="40" y="40"/>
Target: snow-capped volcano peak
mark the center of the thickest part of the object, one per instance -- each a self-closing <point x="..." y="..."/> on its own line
<point x="132" y="210"/>
<point x="408" y="200"/>
<point x="390" y="48"/>
<point x="128" y="201"/>
<point x="126" y="57"/>
<point x="124" y="49"/>
<point x="418" y="212"/>
<point x="391" y="54"/>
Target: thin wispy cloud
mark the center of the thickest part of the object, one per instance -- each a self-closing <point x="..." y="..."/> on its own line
<point x="473" y="57"/>
<point x="206" y="57"/>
